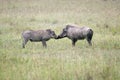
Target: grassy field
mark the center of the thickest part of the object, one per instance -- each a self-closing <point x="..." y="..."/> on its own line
<point x="60" y="61"/>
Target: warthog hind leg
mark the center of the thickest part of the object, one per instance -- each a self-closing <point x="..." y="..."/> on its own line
<point x="89" y="38"/>
<point x="24" y="42"/>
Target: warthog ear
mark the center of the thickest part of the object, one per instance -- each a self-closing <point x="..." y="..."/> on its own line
<point x="66" y="28"/>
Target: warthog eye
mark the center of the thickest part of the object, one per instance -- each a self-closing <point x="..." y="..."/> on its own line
<point x="63" y="34"/>
<point x="53" y="33"/>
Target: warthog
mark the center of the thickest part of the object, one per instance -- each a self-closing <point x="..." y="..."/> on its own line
<point x="76" y="33"/>
<point x="36" y="36"/>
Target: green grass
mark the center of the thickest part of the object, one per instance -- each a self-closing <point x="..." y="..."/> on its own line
<point x="60" y="61"/>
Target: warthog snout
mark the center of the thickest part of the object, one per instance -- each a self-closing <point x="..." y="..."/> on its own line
<point x="63" y="34"/>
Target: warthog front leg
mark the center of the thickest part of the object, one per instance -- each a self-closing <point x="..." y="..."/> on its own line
<point x="44" y="44"/>
<point x="73" y="42"/>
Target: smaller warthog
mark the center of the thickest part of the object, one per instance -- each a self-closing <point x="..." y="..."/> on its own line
<point x="36" y="36"/>
<point x="76" y="33"/>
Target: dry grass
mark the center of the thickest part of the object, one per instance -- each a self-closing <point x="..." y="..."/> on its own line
<point x="60" y="61"/>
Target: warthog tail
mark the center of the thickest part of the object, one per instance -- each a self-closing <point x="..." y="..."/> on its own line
<point x="90" y="34"/>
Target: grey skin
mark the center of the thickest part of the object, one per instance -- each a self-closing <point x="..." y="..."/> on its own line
<point x="37" y="36"/>
<point x="76" y="33"/>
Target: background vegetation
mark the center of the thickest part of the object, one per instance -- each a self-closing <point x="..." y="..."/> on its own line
<point x="60" y="61"/>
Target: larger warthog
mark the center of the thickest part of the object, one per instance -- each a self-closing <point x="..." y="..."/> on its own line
<point x="36" y="36"/>
<point x="76" y="33"/>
